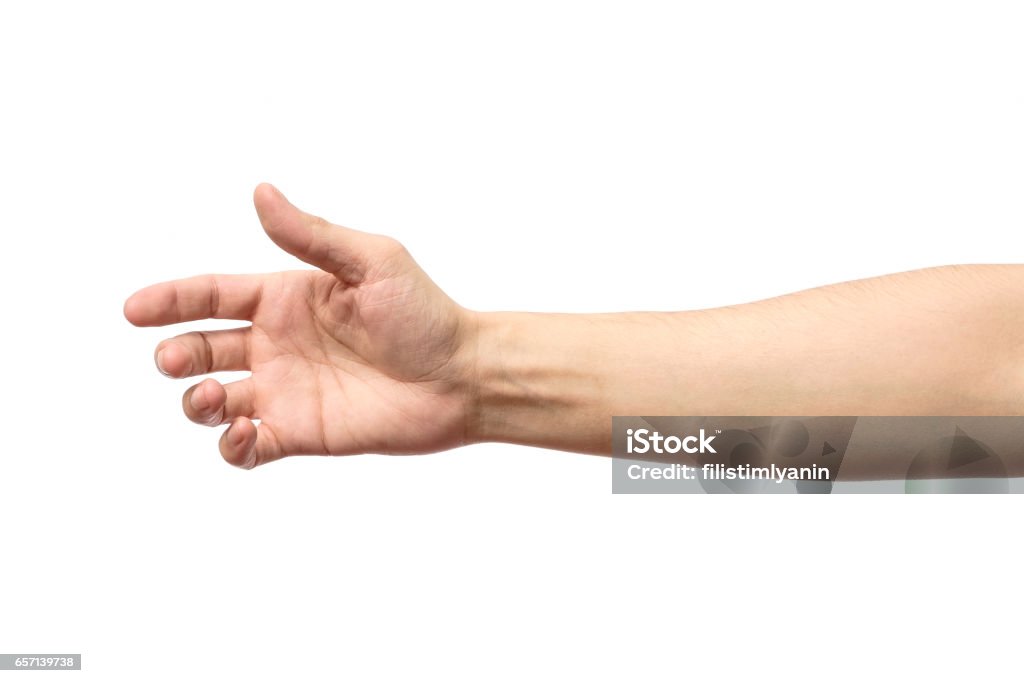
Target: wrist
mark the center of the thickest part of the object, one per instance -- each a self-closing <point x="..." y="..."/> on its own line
<point x="497" y="390"/>
<point x="536" y="380"/>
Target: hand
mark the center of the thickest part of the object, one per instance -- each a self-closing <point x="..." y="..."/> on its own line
<point x="366" y="354"/>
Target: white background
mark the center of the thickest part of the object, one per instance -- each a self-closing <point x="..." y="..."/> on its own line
<point x="545" y="156"/>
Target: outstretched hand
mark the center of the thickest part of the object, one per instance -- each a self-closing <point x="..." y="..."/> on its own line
<point x="368" y="355"/>
<point x="365" y="354"/>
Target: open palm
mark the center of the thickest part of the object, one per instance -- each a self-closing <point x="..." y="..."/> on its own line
<point x="366" y="354"/>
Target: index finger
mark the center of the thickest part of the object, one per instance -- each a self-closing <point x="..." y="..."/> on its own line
<point x="232" y="297"/>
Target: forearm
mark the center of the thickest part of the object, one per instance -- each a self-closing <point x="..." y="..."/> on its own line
<point x="944" y="341"/>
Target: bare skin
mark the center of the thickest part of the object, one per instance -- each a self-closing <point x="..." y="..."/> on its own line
<point x="367" y="355"/>
<point x="364" y="355"/>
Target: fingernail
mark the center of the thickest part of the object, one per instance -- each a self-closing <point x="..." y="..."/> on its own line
<point x="160" y="363"/>
<point x="198" y="400"/>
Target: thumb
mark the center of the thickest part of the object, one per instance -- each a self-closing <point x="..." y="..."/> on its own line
<point x="342" y="252"/>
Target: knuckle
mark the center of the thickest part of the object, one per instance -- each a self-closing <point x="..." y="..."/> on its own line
<point x="204" y="349"/>
<point x="390" y="247"/>
<point x="391" y="254"/>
